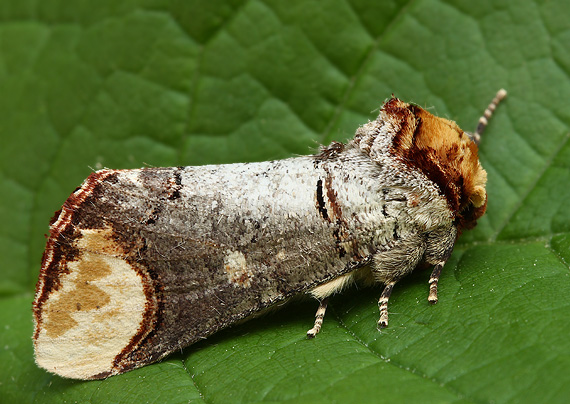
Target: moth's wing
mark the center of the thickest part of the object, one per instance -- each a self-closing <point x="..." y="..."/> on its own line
<point x="134" y="271"/>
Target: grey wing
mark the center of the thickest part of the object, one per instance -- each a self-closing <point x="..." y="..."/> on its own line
<point x="229" y="252"/>
<point x="156" y="259"/>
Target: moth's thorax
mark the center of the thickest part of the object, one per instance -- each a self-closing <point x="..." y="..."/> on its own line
<point x="434" y="146"/>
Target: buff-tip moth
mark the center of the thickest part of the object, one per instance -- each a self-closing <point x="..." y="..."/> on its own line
<point x="141" y="263"/>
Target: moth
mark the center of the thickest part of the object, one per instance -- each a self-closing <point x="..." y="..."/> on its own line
<point x="142" y="263"/>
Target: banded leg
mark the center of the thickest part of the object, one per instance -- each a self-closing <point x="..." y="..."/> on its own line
<point x="383" y="304"/>
<point x="433" y="281"/>
<point x="319" y="316"/>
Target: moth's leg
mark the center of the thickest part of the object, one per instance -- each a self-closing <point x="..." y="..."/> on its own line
<point x="383" y="305"/>
<point x="393" y="264"/>
<point x="319" y="316"/>
<point x="433" y="280"/>
<point x="322" y="292"/>
<point x="440" y="243"/>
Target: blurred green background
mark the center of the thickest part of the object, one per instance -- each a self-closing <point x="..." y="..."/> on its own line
<point x="124" y="84"/>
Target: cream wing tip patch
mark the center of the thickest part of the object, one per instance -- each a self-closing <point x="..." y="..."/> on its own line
<point x="94" y="316"/>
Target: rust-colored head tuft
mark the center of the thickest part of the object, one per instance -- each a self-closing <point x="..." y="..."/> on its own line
<point x="444" y="153"/>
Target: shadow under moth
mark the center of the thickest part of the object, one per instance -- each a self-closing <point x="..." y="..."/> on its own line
<point x="142" y="263"/>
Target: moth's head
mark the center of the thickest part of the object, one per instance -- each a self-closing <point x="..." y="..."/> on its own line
<point x="445" y="154"/>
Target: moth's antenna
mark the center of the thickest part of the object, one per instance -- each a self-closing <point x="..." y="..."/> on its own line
<point x="476" y="136"/>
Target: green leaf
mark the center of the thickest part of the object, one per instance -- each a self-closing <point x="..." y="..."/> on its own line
<point x="86" y="85"/>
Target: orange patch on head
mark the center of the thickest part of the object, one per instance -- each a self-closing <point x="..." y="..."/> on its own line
<point x="456" y="152"/>
<point x="442" y="151"/>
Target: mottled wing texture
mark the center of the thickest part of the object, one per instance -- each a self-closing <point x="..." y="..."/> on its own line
<point x="141" y="263"/>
